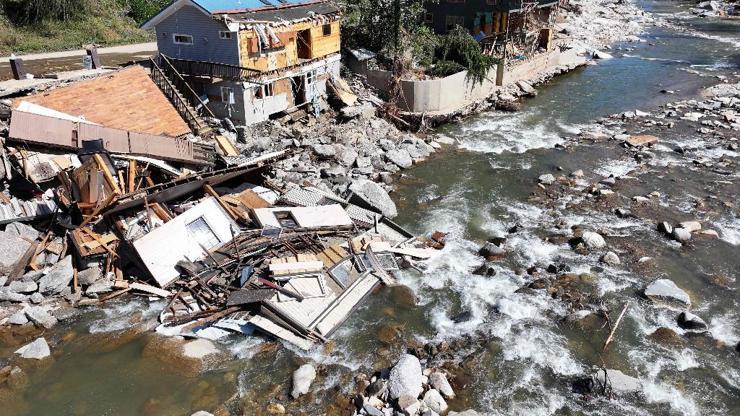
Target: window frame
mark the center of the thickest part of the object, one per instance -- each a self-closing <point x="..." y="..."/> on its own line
<point x="230" y="91"/>
<point x="184" y="35"/>
<point x="225" y="35"/>
<point x="327" y="29"/>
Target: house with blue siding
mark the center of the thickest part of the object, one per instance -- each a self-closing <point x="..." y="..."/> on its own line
<point x="251" y="60"/>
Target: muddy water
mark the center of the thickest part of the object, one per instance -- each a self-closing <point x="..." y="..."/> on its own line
<point x="106" y="363"/>
<point x="72" y="63"/>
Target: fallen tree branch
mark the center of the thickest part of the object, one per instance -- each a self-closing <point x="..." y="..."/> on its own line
<point x="616" y="325"/>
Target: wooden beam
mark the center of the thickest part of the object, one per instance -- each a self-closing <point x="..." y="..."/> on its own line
<point x="132" y="176"/>
<point x="107" y="174"/>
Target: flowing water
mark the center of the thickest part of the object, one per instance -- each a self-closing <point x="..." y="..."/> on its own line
<point x="106" y="364"/>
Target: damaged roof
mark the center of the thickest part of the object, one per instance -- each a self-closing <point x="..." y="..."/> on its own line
<point x="127" y="99"/>
<point x="287" y="15"/>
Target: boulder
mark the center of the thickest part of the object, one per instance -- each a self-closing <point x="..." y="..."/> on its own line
<point x="40" y="317"/>
<point x="36" y="298"/>
<point x="665" y="228"/>
<point x="12" y="249"/>
<point x="19" y="286"/>
<point x="527" y="88"/>
<point x="58" y="278"/>
<point x="324" y="151"/>
<point x="409" y="405"/>
<point x="593" y="240"/>
<point x="374" y="196"/>
<point x="202" y="413"/>
<point x="666" y="291"/>
<point x="18" y="318"/>
<point x="302" y="379"/>
<point x="490" y="250"/>
<point x="400" y="157"/>
<point x="691" y="226"/>
<point x="439" y="381"/>
<point x="616" y="381"/>
<point x="346" y="155"/>
<point x="434" y="401"/>
<point x="610" y="258"/>
<point x="9" y="295"/>
<point x="101" y="286"/>
<point x="688" y="320"/>
<point x="681" y="235"/>
<point x="89" y="276"/>
<point x="37" y="350"/>
<point x="469" y="412"/>
<point x="405" y="378"/>
<point x="22" y="230"/>
<point x="371" y="410"/>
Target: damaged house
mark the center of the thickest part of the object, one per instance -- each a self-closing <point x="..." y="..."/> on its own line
<point x="251" y="60"/>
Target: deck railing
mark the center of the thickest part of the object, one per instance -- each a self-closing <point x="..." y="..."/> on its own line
<point x="173" y="94"/>
<point x="212" y="69"/>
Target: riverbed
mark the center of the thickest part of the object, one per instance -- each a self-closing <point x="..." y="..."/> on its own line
<point x="106" y="362"/>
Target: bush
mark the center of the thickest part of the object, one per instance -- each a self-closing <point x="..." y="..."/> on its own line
<point x="459" y="47"/>
<point x="143" y="10"/>
<point x="26" y="12"/>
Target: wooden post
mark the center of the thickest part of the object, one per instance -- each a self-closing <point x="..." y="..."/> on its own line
<point x="92" y="52"/>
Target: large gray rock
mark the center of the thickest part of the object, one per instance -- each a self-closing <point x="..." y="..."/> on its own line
<point x="18" y="318"/>
<point x="40" y="317"/>
<point x="58" y="278"/>
<point x="374" y="196"/>
<point x="681" y="234"/>
<point x="324" y="151"/>
<point x="688" y="320"/>
<point x="89" y="276"/>
<point x="37" y="350"/>
<point x="611" y="258"/>
<point x="405" y="377"/>
<point x="346" y="155"/>
<point x="8" y="295"/>
<point x="103" y="285"/>
<point x="400" y="157"/>
<point x="12" y="249"/>
<point x="593" y="240"/>
<point x="666" y="291"/>
<point x="302" y="379"/>
<point x="465" y="413"/>
<point x="547" y="179"/>
<point x="434" y="401"/>
<point x="19" y="286"/>
<point x="439" y="381"/>
<point x="616" y="381"/>
<point x="22" y="230"/>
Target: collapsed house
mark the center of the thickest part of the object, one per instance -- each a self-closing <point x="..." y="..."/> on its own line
<point x="252" y="60"/>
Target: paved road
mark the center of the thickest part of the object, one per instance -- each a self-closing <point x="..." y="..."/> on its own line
<point x="123" y="49"/>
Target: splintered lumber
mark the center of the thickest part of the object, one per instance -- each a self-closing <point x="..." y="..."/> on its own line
<point x="276" y="330"/>
<point x="251" y="199"/>
<point x="226" y="145"/>
<point x="379" y="271"/>
<point x="281" y="289"/>
<point x="332" y="255"/>
<point x="95" y="236"/>
<point x="99" y="208"/>
<point x="108" y="176"/>
<point x="616" y="325"/>
<point x="132" y="176"/>
<point x="149" y="289"/>
<point x="212" y="192"/>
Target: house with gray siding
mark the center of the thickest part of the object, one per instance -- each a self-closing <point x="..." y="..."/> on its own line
<point x="251" y="60"/>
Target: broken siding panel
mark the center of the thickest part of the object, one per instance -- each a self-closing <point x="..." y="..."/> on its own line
<point x="207" y="45"/>
<point x="114" y="140"/>
<point x="305" y="217"/>
<point x="42" y="129"/>
<point x="162" y="147"/>
<point x="325" y="45"/>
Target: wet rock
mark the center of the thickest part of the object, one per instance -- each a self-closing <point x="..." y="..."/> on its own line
<point x="19" y="286"/>
<point x="275" y="409"/>
<point x="202" y="413"/>
<point x="484" y="270"/>
<point x="601" y="55"/>
<point x="400" y="157"/>
<point x="23" y="230"/>
<point x="681" y="235"/>
<point x="490" y="250"/>
<point x="666" y="336"/>
<point x="616" y="381"/>
<point x="547" y="179"/>
<point x="378" y="388"/>
<point x="687" y="320"/>
<point x="37" y="350"/>
<point x="666" y="291"/>
<point x="58" y="278"/>
<point x="528" y="89"/>
<point x="40" y="317"/>
<point x="375" y="196"/>
<point x="665" y="228"/>
<point x="434" y="401"/>
<point x="439" y="381"/>
<point x="593" y="240"/>
<point x="610" y="258"/>
<point x="577" y="174"/>
<point x="462" y="317"/>
<point x="465" y="413"/>
<point x="12" y="249"/>
<point x="302" y="379"/>
<point x="583" y="385"/>
<point x="101" y="286"/>
<point x="371" y="410"/>
<point x="405" y="377"/>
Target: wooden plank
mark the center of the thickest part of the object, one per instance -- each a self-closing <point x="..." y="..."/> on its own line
<point x="108" y="176"/>
<point x="210" y="191"/>
<point x="252" y="200"/>
<point x="226" y="145"/>
<point x="149" y="289"/>
<point x="132" y="176"/>
<point x="97" y="238"/>
<point x="270" y="327"/>
<point x="104" y="239"/>
<point x="281" y="269"/>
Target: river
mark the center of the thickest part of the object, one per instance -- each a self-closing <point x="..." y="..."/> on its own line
<point x="107" y="364"/>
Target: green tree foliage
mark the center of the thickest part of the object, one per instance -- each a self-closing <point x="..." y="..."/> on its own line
<point x="142" y="10"/>
<point x="26" y="12"/>
<point x="458" y="47"/>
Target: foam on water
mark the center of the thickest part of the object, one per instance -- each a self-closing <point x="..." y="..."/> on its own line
<point x="725" y="328"/>
<point x="679" y="401"/>
<point x="729" y="230"/>
<point x="502" y="132"/>
<point x="116" y="314"/>
<point x="616" y="168"/>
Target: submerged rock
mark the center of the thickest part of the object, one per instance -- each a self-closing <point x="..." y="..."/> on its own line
<point x="491" y="251"/>
<point x="681" y="235"/>
<point x="37" y="350"/>
<point x="687" y="320"/>
<point x="547" y="179"/>
<point x="616" y="381"/>
<point x="405" y="377"/>
<point x="302" y="379"/>
<point x="666" y="291"/>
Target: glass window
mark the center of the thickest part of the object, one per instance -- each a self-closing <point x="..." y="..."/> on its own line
<point x="327" y="30"/>
<point x="202" y="233"/>
<point x="223" y="34"/>
<point x="180" y="39"/>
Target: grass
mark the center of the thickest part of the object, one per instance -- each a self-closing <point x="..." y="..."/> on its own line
<point x="104" y="26"/>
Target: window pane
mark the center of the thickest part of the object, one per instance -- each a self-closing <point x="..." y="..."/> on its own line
<point x="203" y="233"/>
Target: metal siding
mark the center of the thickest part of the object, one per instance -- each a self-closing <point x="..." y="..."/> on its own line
<point x="41" y="129"/>
<point x="161" y="146"/>
<point x="207" y="45"/>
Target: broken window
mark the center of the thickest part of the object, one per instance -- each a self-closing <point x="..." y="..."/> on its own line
<point x="310" y="78"/>
<point x="327" y="30"/>
<point x="202" y="233"/>
<point x="224" y="34"/>
<point x="227" y="95"/>
<point x="452" y="21"/>
<point x="286" y="219"/>
<point x="263" y="91"/>
<point x="181" y="39"/>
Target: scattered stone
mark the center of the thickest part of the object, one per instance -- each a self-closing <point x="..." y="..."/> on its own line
<point x="435" y="401"/>
<point x="687" y="320"/>
<point x="18" y="318"/>
<point x="400" y="158"/>
<point x="547" y="179"/>
<point x="89" y="276"/>
<point x="23" y="230"/>
<point x="528" y="89"/>
<point x="465" y="413"/>
<point x="37" y="350"/>
<point x="409" y="404"/>
<point x="40" y="317"/>
<point x="12" y="249"/>
<point x="439" y="381"/>
<point x="681" y="235"/>
<point x="371" y="410"/>
<point x="666" y="291"/>
<point x="302" y="379"/>
<point x="665" y="227"/>
<point x="58" y="278"/>
<point x="202" y="413"/>
<point x="275" y="409"/>
<point x="691" y="226"/>
<point x="19" y="286"/>
<point x="324" y="151"/>
<point x="641" y="140"/>
<point x="593" y="240"/>
<point x="36" y="298"/>
<point x="610" y="258"/>
<point x="484" y="270"/>
<point x="405" y="377"/>
<point x="490" y="251"/>
<point x="375" y="196"/>
<point x="616" y="382"/>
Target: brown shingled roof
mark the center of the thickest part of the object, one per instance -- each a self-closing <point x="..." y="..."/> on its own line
<point x="126" y="99"/>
